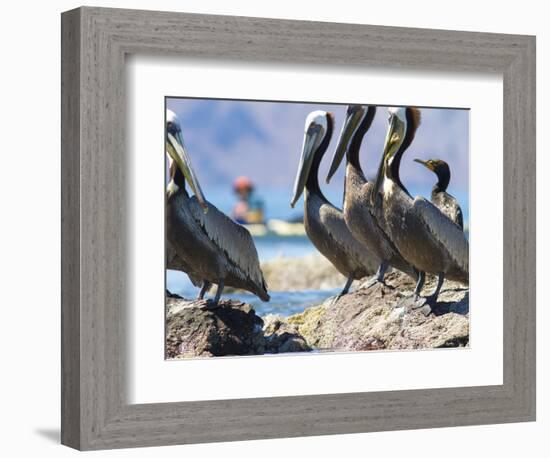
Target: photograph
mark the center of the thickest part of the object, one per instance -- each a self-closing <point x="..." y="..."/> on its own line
<point x="306" y="228"/>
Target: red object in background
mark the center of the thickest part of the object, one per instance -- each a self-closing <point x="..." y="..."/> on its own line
<point x="243" y="183"/>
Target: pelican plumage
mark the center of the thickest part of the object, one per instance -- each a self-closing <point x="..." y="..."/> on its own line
<point x="358" y="212"/>
<point x="209" y="246"/>
<point x="324" y="223"/>
<point x="440" y="197"/>
<point x="424" y="236"/>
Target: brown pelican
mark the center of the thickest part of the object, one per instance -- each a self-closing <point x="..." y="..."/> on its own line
<point x="324" y="223"/>
<point x="425" y="237"/>
<point x="358" y="212"/>
<point x="440" y="197"/>
<point x="174" y="262"/>
<point x="210" y="246"/>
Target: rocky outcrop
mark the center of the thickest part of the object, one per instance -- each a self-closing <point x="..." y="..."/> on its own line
<point x="282" y="336"/>
<point x="366" y="319"/>
<point x="232" y="328"/>
<point x="371" y="319"/>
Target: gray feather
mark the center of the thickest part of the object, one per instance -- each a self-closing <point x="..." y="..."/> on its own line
<point x="329" y="233"/>
<point x="233" y="239"/>
<point x="174" y="262"/>
<point x="451" y="238"/>
<point x="449" y="206"/>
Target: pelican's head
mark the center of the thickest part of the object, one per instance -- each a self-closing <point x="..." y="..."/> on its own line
<point x="358" y="121"/>
<point x="318" y="124"/>
<point x="397" y="130"/>
<point x="177" y="153"/>
<point x="402" y="125"/>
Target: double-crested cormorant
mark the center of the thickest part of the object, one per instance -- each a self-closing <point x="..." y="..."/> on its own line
<point x="440" y="197"/>
<point x="424" y="236"/>
<point x="358" y="211"/>
<point x="210" y="246"/>
<point x="324" y="223"/>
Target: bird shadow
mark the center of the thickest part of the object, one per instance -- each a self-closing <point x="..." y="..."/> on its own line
<point x="53" y="435"/>
<point x="461" y="307"/>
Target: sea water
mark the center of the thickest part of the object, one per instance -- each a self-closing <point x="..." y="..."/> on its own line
<point x="282" y="302"/>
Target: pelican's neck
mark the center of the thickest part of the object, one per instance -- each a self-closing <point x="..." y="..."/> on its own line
<point x="312" y="183"/>
<point x="352" y="153"/>
<point x="354" y="173"/>
<point x="177" y="180"/>
<point x="392" y="170"/>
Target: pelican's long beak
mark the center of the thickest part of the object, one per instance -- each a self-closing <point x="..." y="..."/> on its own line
<point x="353" y="118"/>
<point x="394" y="139"/>
<point x="426" y="164"/>
<point x="312" y="140"/>
<point x="178" y="153"/>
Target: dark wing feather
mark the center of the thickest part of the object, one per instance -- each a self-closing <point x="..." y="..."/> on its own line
<point x="335" y="224"/>
<point x="233" y="239"/>
<point x="459" y="219"/>
<point x="449" y="206"/>
<point x="174" y="262"/>
<point x="445" y="231"/>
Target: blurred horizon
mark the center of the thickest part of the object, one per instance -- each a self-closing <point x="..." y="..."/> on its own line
<point x="262" y="140"/>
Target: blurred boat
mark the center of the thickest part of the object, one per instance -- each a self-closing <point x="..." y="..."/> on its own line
<point x="277" y="227"/>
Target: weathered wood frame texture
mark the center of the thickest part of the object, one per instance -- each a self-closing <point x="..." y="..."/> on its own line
<point x="95" y="41"/>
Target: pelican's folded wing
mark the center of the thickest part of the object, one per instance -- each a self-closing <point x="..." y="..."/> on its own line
<point x="174" y="262"/>
<point x="233" y="239"/>
<point x="333" y="220"/>
<point x="447" y="233"/>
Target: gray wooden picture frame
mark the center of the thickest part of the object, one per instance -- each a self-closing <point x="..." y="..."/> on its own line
<point x="95" y="41"/>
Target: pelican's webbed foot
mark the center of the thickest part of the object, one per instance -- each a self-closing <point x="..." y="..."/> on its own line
<point x="370" y="283"/>
<point x="416" y="303"/>
<point x="378" y="278"/>
<point x="208" y="304"/>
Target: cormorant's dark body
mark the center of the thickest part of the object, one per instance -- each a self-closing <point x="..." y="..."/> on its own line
<point x="440" y="197"/>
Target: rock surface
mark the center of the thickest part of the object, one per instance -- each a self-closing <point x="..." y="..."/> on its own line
<point x="232" y="328"/>
<point x="368" y="319"/>
<point x="282" y="336"/>
<point x="365" y="319"/>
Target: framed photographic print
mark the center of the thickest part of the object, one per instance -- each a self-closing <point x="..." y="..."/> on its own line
<point x="264" y="237"/>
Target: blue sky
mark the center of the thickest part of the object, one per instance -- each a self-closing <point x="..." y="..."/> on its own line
<point x="263" y="141"/>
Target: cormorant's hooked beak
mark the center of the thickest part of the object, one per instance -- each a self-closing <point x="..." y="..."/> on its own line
<point x="312" y="140"/>
<point x="178" y="153"/>
<point x="426" y="164"/>
<point x="353" y="118"/>
<point x="394" y="139"/>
